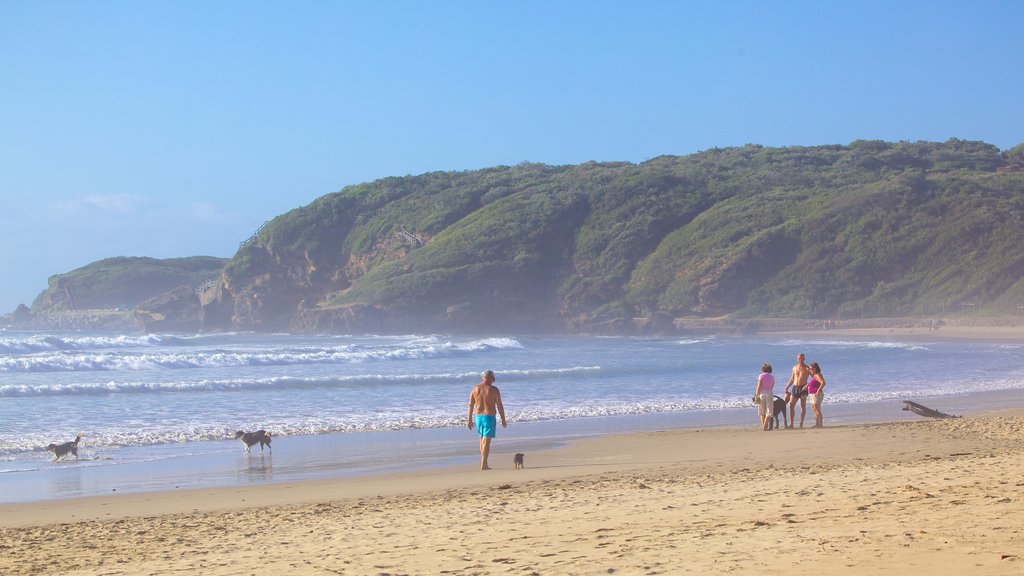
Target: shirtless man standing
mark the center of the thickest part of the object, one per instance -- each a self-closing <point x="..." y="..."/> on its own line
<point x="798" y="383"/>
<point x="484" y="403"/>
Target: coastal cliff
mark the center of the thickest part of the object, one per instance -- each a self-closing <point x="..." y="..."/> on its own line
<point x="868" y="230"/>
<point x="872" y="229"/>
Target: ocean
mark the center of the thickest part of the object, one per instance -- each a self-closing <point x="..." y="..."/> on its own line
<point x="160" y="411"/>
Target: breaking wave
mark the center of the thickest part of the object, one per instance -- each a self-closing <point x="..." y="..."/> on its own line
<point x="75" y="356"/>
<point x="282" y="382"/>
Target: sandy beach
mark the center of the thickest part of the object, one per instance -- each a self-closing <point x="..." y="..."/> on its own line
<point x="930" y="496"/>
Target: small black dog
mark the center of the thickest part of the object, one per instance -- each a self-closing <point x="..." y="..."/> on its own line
<point x="251" y="438"/>
<point x="517" y="461"/>
<point x="62" y="450"/>
<point x="778" y="407"/>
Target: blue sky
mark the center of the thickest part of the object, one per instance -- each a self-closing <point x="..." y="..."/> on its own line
<point x="176" y="128"/>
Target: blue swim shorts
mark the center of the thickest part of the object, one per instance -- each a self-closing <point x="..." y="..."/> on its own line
<point x="486" y="425"/>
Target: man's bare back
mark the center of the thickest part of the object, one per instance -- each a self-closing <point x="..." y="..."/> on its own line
<point x="484" y="405"/>
<point x="485" y="399"/>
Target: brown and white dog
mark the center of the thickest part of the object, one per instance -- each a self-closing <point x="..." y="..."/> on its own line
<point x="517" y="461"/>
<point x="251" y="438"/>
<point x="61" y="450"/>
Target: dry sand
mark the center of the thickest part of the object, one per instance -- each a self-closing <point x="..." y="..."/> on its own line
<point x="917" y="497"/>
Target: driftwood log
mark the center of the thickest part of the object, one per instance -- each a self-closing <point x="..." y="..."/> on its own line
<point x="925" y="411"/>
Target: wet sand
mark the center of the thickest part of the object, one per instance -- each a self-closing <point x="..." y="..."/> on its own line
<point x="929" y="496"/>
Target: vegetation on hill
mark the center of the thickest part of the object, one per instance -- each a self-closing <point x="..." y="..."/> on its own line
<point x="123" y="282"/>
<point x="873" y="228"/>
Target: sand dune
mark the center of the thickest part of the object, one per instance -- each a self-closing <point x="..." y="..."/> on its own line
<point x="921" y="497"/>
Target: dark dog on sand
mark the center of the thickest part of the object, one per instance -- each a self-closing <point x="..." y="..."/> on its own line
<point x="251" y="438"/>
<point x="517" y="461"/>
<point x="62" y="450"/>
<point x="778" y="407"/>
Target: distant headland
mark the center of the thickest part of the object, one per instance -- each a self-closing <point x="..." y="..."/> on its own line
<point x="732" y="240"/>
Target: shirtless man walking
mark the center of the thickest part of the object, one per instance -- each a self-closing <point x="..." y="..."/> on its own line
<point x="797" y="389"/>
<point x="484" y="404"/>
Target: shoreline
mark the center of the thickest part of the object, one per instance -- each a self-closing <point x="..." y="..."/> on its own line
<point x="220" y="465"/>
<point x="706" y="492"/>
<point x="948" y="333"/>
<point x="967" y="329"/>
<point x="941" y="495"/>
<point x="302" y="488"/>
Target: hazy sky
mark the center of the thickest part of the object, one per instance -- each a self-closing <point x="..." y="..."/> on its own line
<point x="176" y="128"/>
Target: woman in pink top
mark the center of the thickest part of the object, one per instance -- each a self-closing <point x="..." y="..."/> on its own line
<point x="815" y="392"/>
<point x="764" y="395"/>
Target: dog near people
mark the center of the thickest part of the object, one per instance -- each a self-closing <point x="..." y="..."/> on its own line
<point x="250" y="439"/>
<point x="778" y="407"/>
<point x="61" y="450"/>
<point x="517" y="461"/>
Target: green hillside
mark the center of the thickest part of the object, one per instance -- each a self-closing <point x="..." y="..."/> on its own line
<point x="123" y="282"/>
<point x="872" y="228"/>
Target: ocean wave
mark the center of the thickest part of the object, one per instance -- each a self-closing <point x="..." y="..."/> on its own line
<point x="49" y="343"/>
<point x="112" y="438"/>
<point x="1009" y="347"/>
<point x="280" y="382"/>
<point x="72" y="361"/>
<point x="31" y="446"/>
<point x="864" y="344"/>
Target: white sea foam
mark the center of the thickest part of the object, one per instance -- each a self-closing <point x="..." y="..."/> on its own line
<point x="871" y="344"/>
<point x="65" y="361"/>
<point x="48" y="343"/>
<point x="279" y="382"/>
<point x="154" y="396"/>
<point x="115" y="436"/>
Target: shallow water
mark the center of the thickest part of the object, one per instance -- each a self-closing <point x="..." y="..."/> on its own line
<point x="159" y="411"/>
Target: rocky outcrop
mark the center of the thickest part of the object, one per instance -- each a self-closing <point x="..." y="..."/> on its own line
<point x="217" y="307"/>
<point x="175" y="311"/>
<point x="657" y="324"/>
<point x="352" y="320"/>
<point x="22" y="317"/>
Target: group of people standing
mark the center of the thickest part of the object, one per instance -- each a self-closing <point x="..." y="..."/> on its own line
<point x="805" y="382"/>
